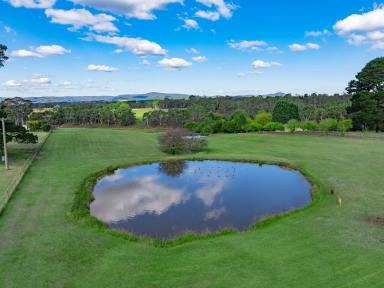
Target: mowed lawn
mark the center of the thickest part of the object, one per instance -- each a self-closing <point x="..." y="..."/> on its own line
<point x="323" y="246"/>
<point x="18" y="154"/>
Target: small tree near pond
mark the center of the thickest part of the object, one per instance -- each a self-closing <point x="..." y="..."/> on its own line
<point x="178" y="141"/>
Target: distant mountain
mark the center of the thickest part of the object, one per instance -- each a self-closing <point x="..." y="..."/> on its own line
<point x="127" y="97"/>
<point x="277" y="94"/>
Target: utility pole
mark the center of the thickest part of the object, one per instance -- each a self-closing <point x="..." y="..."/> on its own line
<point x="5" y="144"/>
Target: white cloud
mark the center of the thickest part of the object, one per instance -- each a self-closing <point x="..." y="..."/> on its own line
<point x="101" y="68"/>
<point x="363" y="29"/>
<point x="376" y="35"/>
<point x="324" y="32"/>
<point x="80" y="18"/>
<point x="140" y="9"/>
<point x="369" y="21"/>
<point x="303" y="47"/>
<point x="222" y="9"/>
<point x="356" y="39"/>
<point x="137" y="46"/>
<point x="247" y="45"/>
<point x="192" y="51"/>
<point x="35" y="81"/>
<point x="190" y="24"/>
<point x="175" y="63"/>
<point x="209" y="15"/>
<point x="273" y="50"/>
<point x="48" y="50"/>
<point x="264" y="64"/>
<point x="200" y="59"/>
<point x="41" y="51"/>
<point x="145" y="62"/>
<point x="42" y="4"/>
<point x="248" y="73"/>
<point x="25" y="53"/>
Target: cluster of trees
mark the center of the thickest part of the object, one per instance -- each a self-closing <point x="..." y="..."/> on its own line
<point x="114" y="114"/>
<point x="367" y="91"/>
<point x="14" y="131"/>
<point x="311" y="107"/>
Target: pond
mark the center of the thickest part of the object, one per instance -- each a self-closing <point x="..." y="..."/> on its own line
<point x="166" y="200"/>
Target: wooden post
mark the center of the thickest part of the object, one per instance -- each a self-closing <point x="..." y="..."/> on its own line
<point x="5" y="144"/>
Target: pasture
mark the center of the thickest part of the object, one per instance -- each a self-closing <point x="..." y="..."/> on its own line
<point x="323" y="246"/>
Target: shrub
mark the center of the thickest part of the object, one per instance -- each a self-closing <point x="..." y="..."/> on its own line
<point x="177" y="141"/>
<point x="236" y="122"/>
<point x="263" y="118"/>
<point x="285" y="111"/>
<point x="292" y="125"/>
<point x="309" y="125"/>
<point x="344" y="125"/>
<point x="33" y="125"/>
<point x="252" y="126"/>
<point x="328" y="125"/>
<point x="273" y="126"/>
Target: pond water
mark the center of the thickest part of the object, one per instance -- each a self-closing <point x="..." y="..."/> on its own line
<point x="166" y="200"/>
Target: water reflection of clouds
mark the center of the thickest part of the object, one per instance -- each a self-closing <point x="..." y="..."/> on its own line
<point x="143" y="195"/>
<point x="215" y="213"/>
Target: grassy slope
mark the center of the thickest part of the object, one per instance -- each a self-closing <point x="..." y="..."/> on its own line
<point x="139" y="112"/>
<point x="18" y="156"/>
<point x="325" y="246"/>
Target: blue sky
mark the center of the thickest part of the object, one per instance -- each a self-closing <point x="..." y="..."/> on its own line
<point x="203" y="47"/>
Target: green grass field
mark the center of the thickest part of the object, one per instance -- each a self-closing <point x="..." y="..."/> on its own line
<point x="139" y="112"/>
<point x="19" y="154"/>
<point x="323" y="246"/>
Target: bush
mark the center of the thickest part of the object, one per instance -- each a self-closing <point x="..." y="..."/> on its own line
<point x="328" y="125"/>
<point x="263" y="118"/>
<point x="236" y="122"/>
<point x="309" y="125"/>
<point x="177" y="141"/>
<point x="33" y="125"/>
<point x="292" y="125"/>
<point x="344" y="126"/>
<point x="273" y="126"/>
<point x="252" y="126"/>
<point x="285" y="111"/>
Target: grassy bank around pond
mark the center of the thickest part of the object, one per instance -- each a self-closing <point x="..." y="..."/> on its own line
<point x="324" y="246"/>
<point x="19" y="157"/>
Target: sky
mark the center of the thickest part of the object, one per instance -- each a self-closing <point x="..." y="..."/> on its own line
<point x="199" y="47"/>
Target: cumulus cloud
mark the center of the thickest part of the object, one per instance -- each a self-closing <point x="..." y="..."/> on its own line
<point x="80" y="18"/>
<point x="369" y="21"/>
<point x="48" y="50"/>
<point x="190" y="24"/>
<point x="42" y="4"/>
<point x="264" y="64"/>
<point x="200" y="59"/>
<point x="137" y="46"/>
<point x="25" y="53"/>
<point x="247" y="45"/>
<point x="320" y="33"/>
<point x="35" y="81"/>
<point x="221" y="9"/>
<point x="303" y="47"/>
<point x="101" y="68"/>
<point x="140" y="9"/>
<point x="41" y="51"/>
<point x="363" y="29"/>
<point x="175" y="63"/>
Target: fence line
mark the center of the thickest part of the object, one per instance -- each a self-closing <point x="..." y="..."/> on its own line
<point x="11" y="187"/>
